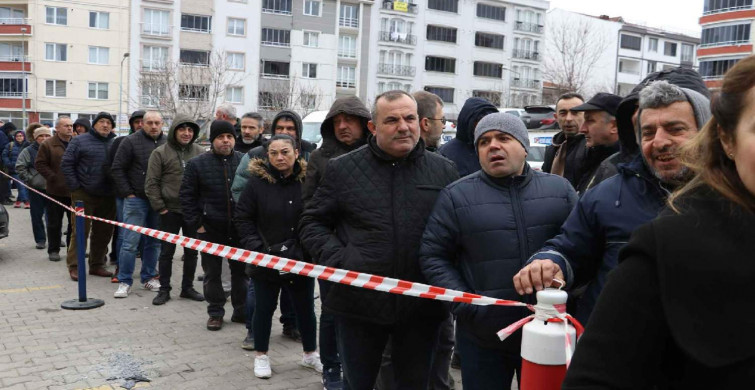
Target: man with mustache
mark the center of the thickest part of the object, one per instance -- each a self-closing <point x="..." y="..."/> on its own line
<point x="506" y="203"/>
<point x="566" y="155"/>
<point x="588" y="246"/>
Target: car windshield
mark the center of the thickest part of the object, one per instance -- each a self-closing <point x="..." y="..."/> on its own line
<point x="311" y="132"/>
<point x="537" y="153"/>
<point x="513" y="112"/>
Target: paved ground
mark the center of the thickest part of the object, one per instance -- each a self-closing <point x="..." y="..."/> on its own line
<point x="44" y="347"/>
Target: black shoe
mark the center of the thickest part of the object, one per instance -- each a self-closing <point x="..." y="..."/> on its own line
<point x="248" y="343"/>
<point x="161" y="298"/>
<point x="191" y="293"/>
<point x="200" y="278"/>
<point x="7" y="202"/>
<point x="240" y="318"/>
<point x="40" y="245"/>
<point x="331" y="379"/>
<point x="456" y="361"/>
<point x="292" y="333"/>
<point x="227" y="295"/>
<point x="53" y="256"/>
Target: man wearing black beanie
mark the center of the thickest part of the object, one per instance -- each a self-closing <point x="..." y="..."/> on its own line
<point x="208" y="207"/>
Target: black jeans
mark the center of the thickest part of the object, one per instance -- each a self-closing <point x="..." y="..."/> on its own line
<point x="173" y="223"/>
<point x="38" y="210"/>
<point x="288" y="314"/>
<point x="328" y="345"/>
<point x="301" y="290"/>
<point x="213" y="286"/>
<point x="485" y="369"/>
<point x="55" y="223"/>
<point x="361" y="345"/>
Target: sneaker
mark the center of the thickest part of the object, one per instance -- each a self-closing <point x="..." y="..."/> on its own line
<point x="122" y="291"/>
<point x="161" y="298"/>
<point x="191" y="293"/>
<point x="27" y="205"/>
<point x="262" y="367"/>
<point x="311" y="360"/>
<point x="40" y="245"/>
<point x="152" y="285"/>
<point x="331" y="379"/>
<point x="114" y="279"/>
<point x="248" y="343"/>
<point x="53" y="256"/>
<point x="17" y="205"/>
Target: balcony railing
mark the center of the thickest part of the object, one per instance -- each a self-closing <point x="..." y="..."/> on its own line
<point x="15" y="21"/>
<point x="274" y="75"/>
<point x="346" y="84"/>
<point x="348" y="22"/>
<point x="14" y="58"/>
<point x="725" y="43"/>
<point x="153" y="66"/>
<point x="276" y="11"/>
<point x="406" y="39"/>
<point x="397" y="70"/>
<point x="400" y="6"/>
<point x="528" y="27"/>
<point x="728" y="9"/>
<point x="156" y="30"/>
<point x="527" y="55"/>
<point x="525" y="83"/>
<point x="14" y="94"/>
<point x="347" y="53"/>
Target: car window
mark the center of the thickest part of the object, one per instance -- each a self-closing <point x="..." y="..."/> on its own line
<point x="537" y="153"/>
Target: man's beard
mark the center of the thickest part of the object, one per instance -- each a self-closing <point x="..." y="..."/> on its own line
<point x="676" y="180"/>
<point x="251" y="141"/>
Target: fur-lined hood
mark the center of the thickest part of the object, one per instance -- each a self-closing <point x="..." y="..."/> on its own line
<point x="261" y="168"/>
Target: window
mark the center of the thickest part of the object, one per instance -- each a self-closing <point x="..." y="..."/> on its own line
<point x="726" y="35"/>
<point x="11" y="51"/>
<point x="152" y="94"/>
<point x="715" y="69"/>
<point x="275" y="69"/>
<point x="444" y="5"/>
<point x="234" y="95"/>
<point x="347" y="46"/>
<point x="153" y="58"/>
<point x="687" y="53"/>
<point x="194" y="57"/>
<point x="56" y="52"/>
<point x="492" y="97"/>
<point x="716" y="6"/>
<point x="55" y="88"/>
<point x="439" y="64"/>
<point x="438" y="33"/>
<point x="99" y="55"/>
<point x="13" y="87"/>
<point x="312" y="7"/>
<point x="493" y="41"/>
<point x="235" y="61"/>
<point x="669" y="49"/>
<point x="98" y="91"/>
<point x="631" y="42"/>
<point x="195" y="23"/>
<point x="277" y="6"/>
<point x="652" y="66"/>
<point x="56" y="15"/>
<point x="349" y="17"/>
<point x="311" y="38"/>
<point x="11" y="15"/>
<point x="491" y="12"/>
<point x="445" y="94"/>
<point x="193" y="92"/>
<point x="629" y="66"/>
<point x="275" y="37"/>
<point x="309" y="101"/>
<point x="488" y="69"/>
<point x="309" y="71"/>
<point x="653" y="45"/>
<point x="99" y="20"/>
<point x="271" y="100"/>
<point x="236" y="26"/>
<point x="346" y="77"/>
<point x="156" y="22"/>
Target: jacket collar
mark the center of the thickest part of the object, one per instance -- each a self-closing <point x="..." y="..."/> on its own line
<point x="511" y="181"/>
<point x="415" y="153"/>
<point x="261" y="168"/>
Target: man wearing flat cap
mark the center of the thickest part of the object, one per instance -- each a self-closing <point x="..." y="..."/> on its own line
<point x="481" y="230"/>
<point x="601" y="135"/>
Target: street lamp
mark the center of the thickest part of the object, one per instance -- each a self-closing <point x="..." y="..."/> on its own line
<point x="120" y="91"/>
<point x="23" y="74"/>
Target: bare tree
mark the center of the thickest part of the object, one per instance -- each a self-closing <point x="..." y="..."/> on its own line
<point x="574" y="49"/>
<point x="193" y="89"/>
<point x="293" y="93"/>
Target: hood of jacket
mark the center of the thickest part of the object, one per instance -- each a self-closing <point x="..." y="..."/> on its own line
<point x="350" y="105"/>
<point x="682" y="77"/>
<point x="22" y="133"/>
<point x="135" y="115"/>
<point x="261" y="168"/>
<point x="83" y="122"/>
<point x="474" y="109"/>
<point x="181" y="120"/>
<point x="297" y="123"/>
<point x="8" y="128"/>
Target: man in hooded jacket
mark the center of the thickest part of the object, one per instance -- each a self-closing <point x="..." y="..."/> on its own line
<point x="5" y="138"/>
<point x="461" y="149"/>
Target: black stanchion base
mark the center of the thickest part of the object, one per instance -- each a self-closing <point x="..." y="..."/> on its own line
<point x="75" y="304"/>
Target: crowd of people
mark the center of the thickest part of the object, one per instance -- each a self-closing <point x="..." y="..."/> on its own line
<point x="637" y="197"/>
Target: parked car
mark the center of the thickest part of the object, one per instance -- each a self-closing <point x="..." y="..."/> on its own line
<point x="4" y="221"/>
<point x="449" y="132"/>
<point x="539" y="117"/>
<point x="536" y="156"/>
<point x="311" y="130"/>
<point x="513" y="111"/>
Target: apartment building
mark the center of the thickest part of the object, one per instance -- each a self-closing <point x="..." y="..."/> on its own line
<point x="726" y="37"/>
<point x="60" y="58"/>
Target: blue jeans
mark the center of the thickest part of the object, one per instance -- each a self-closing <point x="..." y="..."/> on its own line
<point x="249" y="308"/>
<point x="485" y="368"/>
<point x="23" y="193"/>
<point x="137" y="211"/>
<point x="38" y="211"/>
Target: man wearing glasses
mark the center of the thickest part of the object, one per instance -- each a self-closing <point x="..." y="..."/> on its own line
<point x="431" y="119"/>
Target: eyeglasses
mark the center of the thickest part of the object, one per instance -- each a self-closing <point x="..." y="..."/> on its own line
<point x="442" y="120"/>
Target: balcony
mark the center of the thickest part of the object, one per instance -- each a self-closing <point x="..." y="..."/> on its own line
<point x="15" y="26"/>
<point x="526" y="55"/>
<point x="400" y="6"/>
<point x="395" y="37"/>
<point x="153" y="66"/>
<point x="525" y="83"/>
<point x="14" y="100"/>
<point x="727" y="9"/>
<point x="348" y="22"/>
<point x="274" y="75"/>
<point x="158" y="31"/>
<point x="396" y="70"/>
<point x="14" y="63"/>
<point x="346" y="84"/>
<point x="528" y="27"/>
<point x="348" y="53"/>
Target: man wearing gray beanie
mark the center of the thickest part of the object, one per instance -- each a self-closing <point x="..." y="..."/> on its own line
<point x="587" y="248"/>
<point x="481" y="229"/>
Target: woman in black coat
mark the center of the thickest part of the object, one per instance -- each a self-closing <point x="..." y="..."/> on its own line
<point x="677" y="311"/>
<point x="267" y="215"/>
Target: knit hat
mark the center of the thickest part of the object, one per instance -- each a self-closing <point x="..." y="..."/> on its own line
<point x="138" y="114"/>
<point x="42" y="131"/>
<point x="505" y="123"/>
<point x="219" y="127"/>
<point x="104" y="115"/>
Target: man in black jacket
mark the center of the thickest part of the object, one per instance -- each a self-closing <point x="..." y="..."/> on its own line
<point x="368" y="216"/>
<point x="251" y="127"/>
<point x="207" y="207"/>
<point x="565" y="156"/>
<point x="129" y="171"/>
<point x="431" y="118"/>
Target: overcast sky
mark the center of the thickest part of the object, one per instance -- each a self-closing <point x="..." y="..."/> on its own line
<point x="674" y="14"/>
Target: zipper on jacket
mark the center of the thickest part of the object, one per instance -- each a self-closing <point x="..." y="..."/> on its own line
<point x="521" y="229"/>
<point x="395" y="166"/>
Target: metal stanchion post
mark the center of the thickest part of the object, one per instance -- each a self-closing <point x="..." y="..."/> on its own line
<point x="82" y="303"/>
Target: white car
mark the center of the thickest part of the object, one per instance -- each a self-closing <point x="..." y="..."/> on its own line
<point x="311" y="124"/>
<point x="536" y="156"/>
<point x="518" y="112"/>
